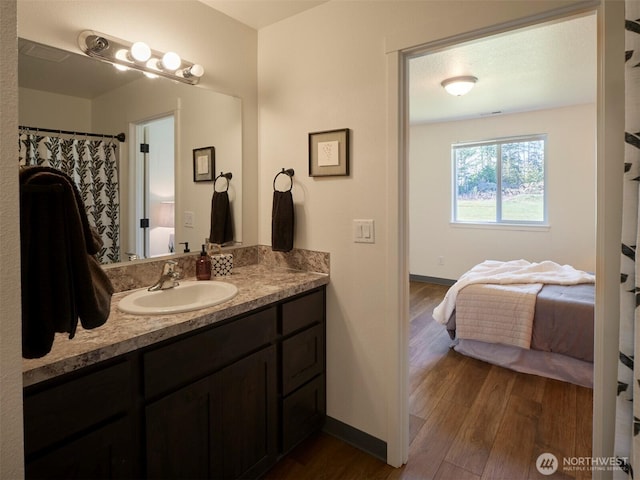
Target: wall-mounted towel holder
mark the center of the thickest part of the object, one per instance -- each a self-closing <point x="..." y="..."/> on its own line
<point x="290" y="173"/>
<point x="228" y="176"/>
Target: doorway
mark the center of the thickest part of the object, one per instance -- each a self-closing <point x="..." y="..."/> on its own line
<point x="436" y="260"/>
<point x="155" y="187"/>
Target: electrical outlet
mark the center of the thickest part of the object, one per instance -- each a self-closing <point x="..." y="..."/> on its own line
<point x="440" y="260"/>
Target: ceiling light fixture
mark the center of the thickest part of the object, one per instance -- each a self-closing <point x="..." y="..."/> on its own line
<point x="139" y="56"/>
<point x="458" y="86"/>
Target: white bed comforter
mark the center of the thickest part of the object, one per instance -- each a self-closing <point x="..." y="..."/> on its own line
<point x="514" y="271"/>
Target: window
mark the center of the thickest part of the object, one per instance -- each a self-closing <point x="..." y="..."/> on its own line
<point x="500" y="181"/>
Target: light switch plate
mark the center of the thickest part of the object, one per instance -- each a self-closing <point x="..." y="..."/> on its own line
<point x="363" y="231"/>
<point x="188" y="219"/>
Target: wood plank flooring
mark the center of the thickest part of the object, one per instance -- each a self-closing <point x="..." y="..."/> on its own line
<point x="469" y="420"/>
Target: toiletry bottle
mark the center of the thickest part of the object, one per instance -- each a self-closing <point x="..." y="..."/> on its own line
<point x="203" y="266"/>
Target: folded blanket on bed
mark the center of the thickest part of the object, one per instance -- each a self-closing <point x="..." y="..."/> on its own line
<point x="497" y="313"/>
<point x="515" y="271"/>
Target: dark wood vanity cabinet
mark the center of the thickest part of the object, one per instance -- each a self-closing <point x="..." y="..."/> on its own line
<point x="82" y="425"/>
<point x="302" y="388"/>
<point x="222" y="425"/>
<point x="226" y="401"/>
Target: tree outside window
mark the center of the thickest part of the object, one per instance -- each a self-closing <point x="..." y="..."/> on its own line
<point x="500" y="181"/>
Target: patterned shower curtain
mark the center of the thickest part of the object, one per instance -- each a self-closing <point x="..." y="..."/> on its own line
<point x="93" y="165"/>
<point x="627" y="446"/>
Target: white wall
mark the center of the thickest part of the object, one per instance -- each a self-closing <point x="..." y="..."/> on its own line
<point x="327" y="68"/>
<point x="226" y="48"/>
<point x="11" y="442"/>
<point x="571" y="168"/>
<point x="50" y="110"/>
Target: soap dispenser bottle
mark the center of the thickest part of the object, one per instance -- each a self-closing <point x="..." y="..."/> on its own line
<point x="203" y="266"/>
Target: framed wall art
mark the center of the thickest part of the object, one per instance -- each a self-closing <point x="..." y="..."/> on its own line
<point x="329" y="153"/>
<point x="204" y="164"/>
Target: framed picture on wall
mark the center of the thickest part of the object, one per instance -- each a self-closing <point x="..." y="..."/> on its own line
<point x="204" y="164"/>
<point x="329" y="153"/>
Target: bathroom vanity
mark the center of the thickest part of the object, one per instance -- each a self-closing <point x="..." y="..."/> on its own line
<point x="222" y="392"/>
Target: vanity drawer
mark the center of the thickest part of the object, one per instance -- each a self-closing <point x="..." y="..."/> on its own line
<point x="303" y="413"/>
<point x="76" y="405"/>
<point x="302" y="312"/>
<point x="197" y="355"/>
<point x="302" y="358"/>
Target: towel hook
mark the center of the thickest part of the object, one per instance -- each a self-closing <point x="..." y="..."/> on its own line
<point x="228" y="176"/>
<point x="290" y="173"/>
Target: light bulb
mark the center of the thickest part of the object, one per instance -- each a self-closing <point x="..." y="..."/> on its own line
<point x="171" y="61"/>
<point x="153" y="64"/>
<point x="140" y="51"/>
<point x="195" y="70"/>
<point x="123" y="55"/>
<point x="122" y="68"/>
<point x="150" y="75"/>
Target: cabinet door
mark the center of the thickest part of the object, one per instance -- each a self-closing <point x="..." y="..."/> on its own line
<point x="104" y="453"/>
<point x="178" y="433"/>
<point x="246" y="437"/>
<point x="223" y="426"/>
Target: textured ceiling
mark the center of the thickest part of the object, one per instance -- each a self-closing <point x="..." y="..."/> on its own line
<point x="535" y="68"/>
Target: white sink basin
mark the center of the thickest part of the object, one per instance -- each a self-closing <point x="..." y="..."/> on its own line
<point x="189" y="295"/>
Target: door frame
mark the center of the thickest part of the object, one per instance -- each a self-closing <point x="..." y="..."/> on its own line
<point x="609" y="173"/>
<point x="139" y="177"/>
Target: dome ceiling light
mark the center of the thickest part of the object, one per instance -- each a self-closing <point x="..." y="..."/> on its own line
<point x="458" y="86"/>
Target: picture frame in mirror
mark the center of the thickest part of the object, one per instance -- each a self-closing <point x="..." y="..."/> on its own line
<point x="204" y="164"/>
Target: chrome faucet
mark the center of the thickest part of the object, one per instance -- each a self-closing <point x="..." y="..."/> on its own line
<point x="169" y="277"/>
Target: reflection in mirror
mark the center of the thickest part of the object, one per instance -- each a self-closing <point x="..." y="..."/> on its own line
<point x="61" y="90"/>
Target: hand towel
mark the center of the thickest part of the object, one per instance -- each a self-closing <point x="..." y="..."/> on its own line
<point x="221" y="222"/>
<point x="282" y="222"/>
<point x="61" y="279"/>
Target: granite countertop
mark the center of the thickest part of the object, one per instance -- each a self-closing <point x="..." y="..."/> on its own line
<point x="258" y="285"/>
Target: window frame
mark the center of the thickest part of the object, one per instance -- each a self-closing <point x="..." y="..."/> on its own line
<point x="499" y="142"/>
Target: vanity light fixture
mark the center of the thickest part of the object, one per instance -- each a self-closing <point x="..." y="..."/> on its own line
<point x="139" y="56"/>
<point x="458" y="86"/>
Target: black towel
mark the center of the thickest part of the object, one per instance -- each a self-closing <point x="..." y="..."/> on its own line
<point x="221" y="223"/>
<point x="282" y="222"/>
<point x="61" y="279"/>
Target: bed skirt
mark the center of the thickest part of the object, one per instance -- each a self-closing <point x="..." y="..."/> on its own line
<point x="546" y="364"/>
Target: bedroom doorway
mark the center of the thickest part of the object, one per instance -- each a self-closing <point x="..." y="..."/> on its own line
<point x="154" y="187"/>
<point x="442" y="258"/>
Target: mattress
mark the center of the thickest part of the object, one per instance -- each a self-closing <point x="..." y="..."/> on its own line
<point x="562" y="323"/>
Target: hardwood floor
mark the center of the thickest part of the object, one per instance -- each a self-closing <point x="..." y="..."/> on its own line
<point x="469" y="419"/>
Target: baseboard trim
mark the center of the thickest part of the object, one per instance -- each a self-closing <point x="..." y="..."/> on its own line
<point x="357" y="438"/>
<point x="436" y="280"/>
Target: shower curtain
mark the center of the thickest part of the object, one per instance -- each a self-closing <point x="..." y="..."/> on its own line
<point x="627" y="443"/>
<point x="93" y="164"/>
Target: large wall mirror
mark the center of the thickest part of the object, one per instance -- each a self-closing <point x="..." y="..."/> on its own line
<point x="60" y="90"/>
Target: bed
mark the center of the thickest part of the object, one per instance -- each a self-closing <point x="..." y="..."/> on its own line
<point x="530" y="317"/>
